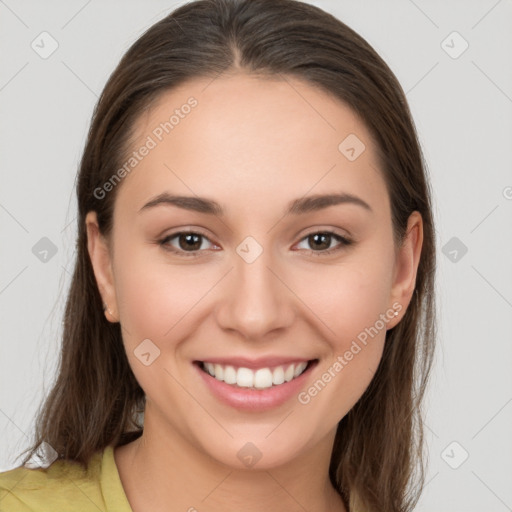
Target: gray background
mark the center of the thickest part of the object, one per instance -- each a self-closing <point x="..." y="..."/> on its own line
<point x="462" y="107"/>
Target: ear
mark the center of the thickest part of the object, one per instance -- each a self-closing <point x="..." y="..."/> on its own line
<point x="406" y="267"/>
<point x="99" y="253"/>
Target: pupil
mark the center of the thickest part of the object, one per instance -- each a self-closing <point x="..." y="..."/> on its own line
<point x="191" y="241"/>
<point x="325" y="236"/>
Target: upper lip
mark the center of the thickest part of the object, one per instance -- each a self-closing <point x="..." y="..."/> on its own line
<point x="264" y="362"/>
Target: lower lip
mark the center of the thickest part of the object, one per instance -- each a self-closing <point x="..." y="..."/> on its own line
<point x="248" y="399"/>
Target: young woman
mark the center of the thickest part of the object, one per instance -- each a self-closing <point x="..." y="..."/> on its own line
<point x="250" y="323"/>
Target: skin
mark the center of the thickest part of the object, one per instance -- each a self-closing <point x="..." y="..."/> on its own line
<point x="252" y="144"/>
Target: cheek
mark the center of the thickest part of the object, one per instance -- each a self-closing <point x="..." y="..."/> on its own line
<point x="154" y="297"/>
<point x="157" y="302"/>
<point x="351" y="301"/>
<point x="351" y="296"/>
<point x="354" y="311"/>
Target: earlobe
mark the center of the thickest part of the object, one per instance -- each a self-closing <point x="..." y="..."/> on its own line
<point x="406" y="266"/>
<point x="99" y="253"/>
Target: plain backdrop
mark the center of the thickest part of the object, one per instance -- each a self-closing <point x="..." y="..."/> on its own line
<point x="453" y="59"/>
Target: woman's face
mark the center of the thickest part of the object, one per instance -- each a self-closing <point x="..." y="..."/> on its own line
<point x="277" y="177"/>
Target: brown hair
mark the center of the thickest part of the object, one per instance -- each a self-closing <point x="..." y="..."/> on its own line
<point x="96" y="400"/>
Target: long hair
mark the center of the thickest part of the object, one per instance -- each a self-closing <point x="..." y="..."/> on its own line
<point x="377" y="462"/>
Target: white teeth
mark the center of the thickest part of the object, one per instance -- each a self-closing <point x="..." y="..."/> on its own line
<point x="262" y="378"/>
<point x="299" y="369"/>
<point x="229" y="375"/>
<point x="219" y="371"/>
<point x="278" y="376"/>
<point x="211" y="369"/>
<point x="288" y="374"/>
<point x="245" y="378"/>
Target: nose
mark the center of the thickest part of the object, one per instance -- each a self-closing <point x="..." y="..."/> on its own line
<point x="256" y="299"/>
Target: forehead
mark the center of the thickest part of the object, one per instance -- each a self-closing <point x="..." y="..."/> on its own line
<point x="255" y="141"/>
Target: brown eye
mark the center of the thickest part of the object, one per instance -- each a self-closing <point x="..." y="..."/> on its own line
<point x="189" y="243"/>
<point x="321" y="243"/>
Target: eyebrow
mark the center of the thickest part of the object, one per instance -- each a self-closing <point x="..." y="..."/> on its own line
<point x="295" y="207"/>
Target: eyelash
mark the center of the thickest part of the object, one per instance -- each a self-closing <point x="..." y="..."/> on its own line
<point x="343" y="242"/>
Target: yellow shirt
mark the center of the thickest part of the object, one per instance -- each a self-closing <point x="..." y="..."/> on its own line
<point x="65" y="487"/>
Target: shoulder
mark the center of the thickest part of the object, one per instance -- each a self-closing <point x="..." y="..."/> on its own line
<point x="63" y="486"/>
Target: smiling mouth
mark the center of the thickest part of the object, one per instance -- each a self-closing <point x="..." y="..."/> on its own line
<point x="261" y="378"/>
